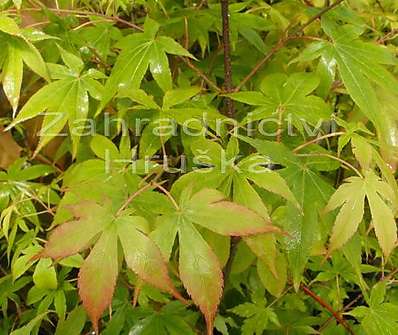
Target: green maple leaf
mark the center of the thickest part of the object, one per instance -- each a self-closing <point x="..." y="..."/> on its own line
<point x="49" y="290"/>
<point x="168" y="321"/>
<point x="199" y="266"/>
<point x="351" y="198"/>
<point x="177" y="109"/>
<point x="17" y="49"/>
<point x="98" y="274"/>
<point x="361" y="65"/>
<point x="236" y="178"/>
<point x="286" y="95"/>
<point x="257" y="316"/>
<point x="232" y="176"/>
<point x="66" y="100"/>
<point x="305" y="227"/>
<point x="380" y="317"/>
<point x="18" y="194"/>
<point x="140" y="51"/>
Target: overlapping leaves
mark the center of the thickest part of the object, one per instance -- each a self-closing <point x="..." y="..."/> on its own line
<point x="97" y="224"/>
<point x="361" y="65"/>
<point x="351" y="197"/>
<point x="199" y="266"/>
<point x="307" y="229"/>
<point x="140" y="51"/>
<point x="17" y="49"/>
<point x="65" y="100"/>
<point x="177" y="109"/>
<point x="286" y="96"/>
<point x="222" y="169"/>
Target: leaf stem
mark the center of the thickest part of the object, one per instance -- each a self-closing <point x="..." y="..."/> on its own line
<point x="168" y="194"/>
<point x="342" y="161"/>
<point x="315" y="140"/>
<point x="133" y="196"/>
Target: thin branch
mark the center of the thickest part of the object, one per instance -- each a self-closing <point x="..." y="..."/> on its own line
<point x="209" y="82"/>
<point x="319" y="15"/>
<point x="79" y="12"/>
<point x="390" y="36"/>
<point x="286" y="37"/>
<point x="390" y="276"/>
<point x="358" y="297"/>
<point x="339" y="318"/>
<point x="229" y="104"/>
<point x="227" y="57"/>
<point x="279" y="45"/>
<point x="203" y="3"/>
<point x="186" y="32"/>
<point x="87" y="23"/>
<point x="45" y="160"/>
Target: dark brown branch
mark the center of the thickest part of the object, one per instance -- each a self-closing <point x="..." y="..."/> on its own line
<point x="339" y="318"/>
<point x="227" y="57"/>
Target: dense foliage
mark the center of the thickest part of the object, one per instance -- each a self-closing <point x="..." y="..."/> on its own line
<point x="180" y="167"/>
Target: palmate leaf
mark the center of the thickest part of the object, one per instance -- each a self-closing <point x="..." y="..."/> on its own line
<point x="351" y="196"/>
<point x="178" y="109"/>
<point x="200" y="272"/>
<point x="98" y="274"/>
<point x="360" y="64"/>
<point x="18" y="50"/>
<point x="237" y="178"/>
<point x="172" y="319"/>
<point x="226" y="170"/>
<point x="258" y="317"/>
<point x="140" y="51"/>
<point x="380" y="317"/>
<point x="288" y="95"/>
<point x="303" y="224"/>
<point x="65" y="100"/>
<point x="199" y="267"/>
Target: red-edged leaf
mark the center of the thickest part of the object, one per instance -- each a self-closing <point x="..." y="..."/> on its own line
<point x="200" y="272"/>
<point x="143" y="256"/>
<point x="74" y="236"/>
<point x="97" y="276"/>
<point x="262" y="245"/>
<point x="209" y="209"/>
